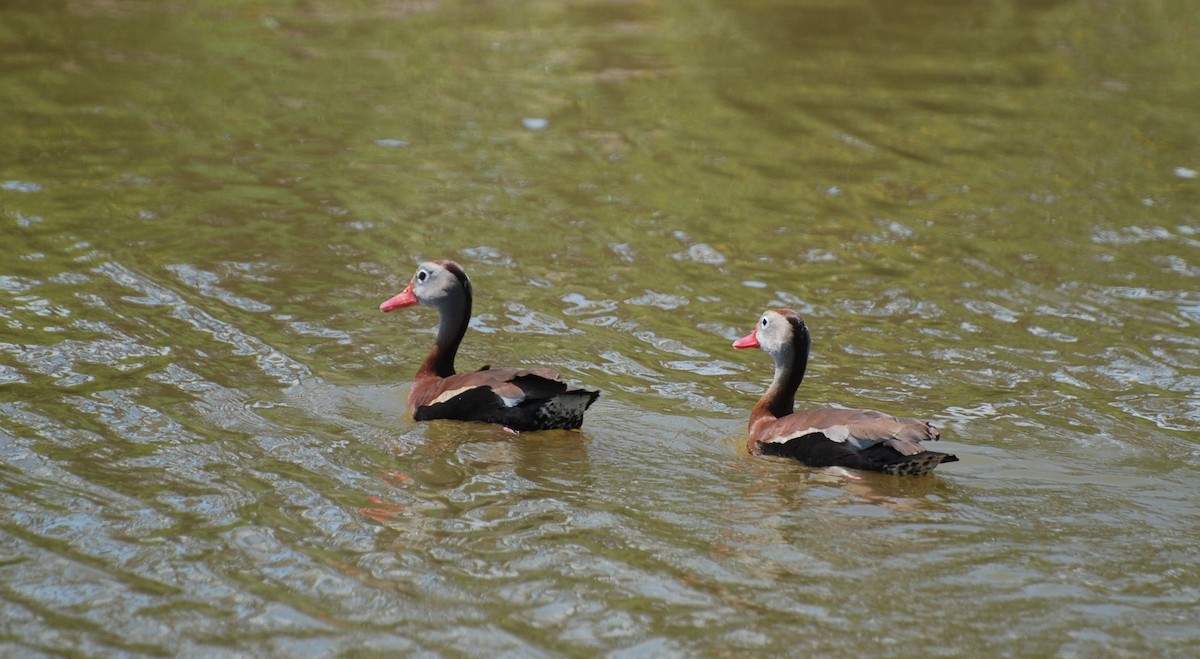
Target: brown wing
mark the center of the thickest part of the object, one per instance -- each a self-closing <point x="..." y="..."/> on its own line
<point x="513" y="384"/>
<point x="858" y="428"/>
<point x="520" y="399"/>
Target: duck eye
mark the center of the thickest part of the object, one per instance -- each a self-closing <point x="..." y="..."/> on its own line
<point x="764" y="322"/>
<point x="422" y="275"/>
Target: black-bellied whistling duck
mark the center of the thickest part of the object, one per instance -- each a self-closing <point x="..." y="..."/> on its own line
<point x="827" y="437"/>
<point x="518" y="398"/>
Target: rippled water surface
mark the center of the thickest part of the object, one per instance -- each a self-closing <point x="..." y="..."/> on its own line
<point x="988" y="212"/>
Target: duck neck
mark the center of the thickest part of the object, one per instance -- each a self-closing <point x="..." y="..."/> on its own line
<point x="790" y="364"/>
<point x="454" y="312"/>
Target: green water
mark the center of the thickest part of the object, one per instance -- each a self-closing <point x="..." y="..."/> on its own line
<point x="988" y="212"/>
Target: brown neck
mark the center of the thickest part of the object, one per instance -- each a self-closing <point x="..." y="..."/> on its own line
<point x="454" y="312"/>
<point x="790" y="364"/>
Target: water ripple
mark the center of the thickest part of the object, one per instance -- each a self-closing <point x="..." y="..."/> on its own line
<point x="271" y="361"/>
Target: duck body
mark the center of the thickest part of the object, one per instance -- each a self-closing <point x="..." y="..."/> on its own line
<point x="517" y="398"/>
<point x="520" y="399"/>
<point x="827" y="437"/>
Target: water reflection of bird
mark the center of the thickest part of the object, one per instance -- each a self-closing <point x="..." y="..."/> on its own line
<point x="456" y="467"/>
<point x="517" y="398"/>
<point x="827" y="437"/>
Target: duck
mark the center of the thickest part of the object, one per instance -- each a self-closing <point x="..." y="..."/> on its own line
<point x="827" y="437"/>
<point x="517" y="398"/>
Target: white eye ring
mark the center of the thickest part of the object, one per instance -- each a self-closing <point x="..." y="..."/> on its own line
<point x="764" y="322"/>
<point x="422" y="275"/>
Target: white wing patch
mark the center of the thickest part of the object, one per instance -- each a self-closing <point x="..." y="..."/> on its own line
<point x="511" y="402"/>
<point x="451" y="393"/>
<point x="839" y="433"/>
<point x="447" y="395"/>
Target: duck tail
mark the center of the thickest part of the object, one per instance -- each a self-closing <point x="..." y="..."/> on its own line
<point x="918" y="465"/>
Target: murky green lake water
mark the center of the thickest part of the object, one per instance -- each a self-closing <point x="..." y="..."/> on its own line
<point x="989" y="213"/>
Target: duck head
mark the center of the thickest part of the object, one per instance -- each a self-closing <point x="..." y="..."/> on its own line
<point x="435" y="284"/>
<point x="778" y="333"/>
